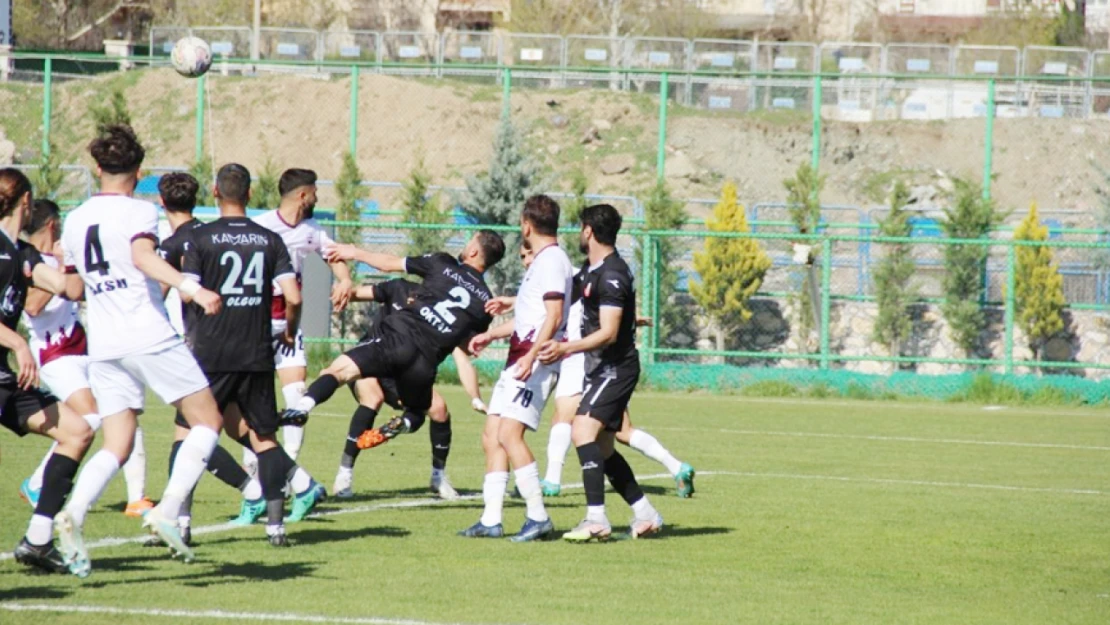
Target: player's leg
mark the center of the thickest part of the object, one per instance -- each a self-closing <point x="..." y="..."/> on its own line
<point x="496" y="480"/>
<point x="439" y="434"/>
<point x="648" y="445"/>
<point x="291" y="364"/>
<point x="370" y="396"/>
<point x="341" y="371"/>
<point x="521" y="414"/>
<point x="586" y="433"/>
<point x="568" y="392"/>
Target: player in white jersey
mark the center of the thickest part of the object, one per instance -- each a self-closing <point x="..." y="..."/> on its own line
<point x="58" y="343"/>
<point x="293" y="221"/>
<point x="111" y="260"/>
<point x="522" y="390"/>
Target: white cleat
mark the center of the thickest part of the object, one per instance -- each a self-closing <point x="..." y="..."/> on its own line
<point x="342" y="486"/>
<point x="443" y="489"/>
<point x="167" y="530"/>
<point x="647" y="527"/>
<point x="72" y="545"/>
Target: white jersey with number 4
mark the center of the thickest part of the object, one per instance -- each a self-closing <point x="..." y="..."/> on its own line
<point x="549" y="277"/>
<point x="126" y="315"/>
<point x="305" y="238"/>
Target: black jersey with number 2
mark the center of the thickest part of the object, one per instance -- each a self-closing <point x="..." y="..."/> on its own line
<point x="610" y="284"/>
<point x="449" y="307"/>
<point x="239" y="260"/>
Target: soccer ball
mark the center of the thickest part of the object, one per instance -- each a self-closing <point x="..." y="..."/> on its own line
<point x="191" y="56"/>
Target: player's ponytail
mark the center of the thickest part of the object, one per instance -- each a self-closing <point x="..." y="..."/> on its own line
<point x="13" y="187"/>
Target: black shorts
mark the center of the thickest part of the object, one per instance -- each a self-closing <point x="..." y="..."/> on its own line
<point x="252" y="391"/>
<point x="606" y="392"/>
<point x="390" y="356"/>
<point x="390" y="395"/>
<point x="18" y="405"/>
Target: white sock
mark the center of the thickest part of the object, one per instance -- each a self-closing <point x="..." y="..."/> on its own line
<point x="643" y="510"/>
<point x="292" y="437"/>
<point x="292" y="393"/>
<point x="184" y="521"/>
<point x="305" y="404"/>
<point x="493" y="492"/>
<point x="301" y="481"/>
<point x="134" y="470"/>
<point x="438" y="474"/>
<point x="596" y="514"/>
<point x="558" y="444"/>
<point x="647" y="444"/>
<point x="35" y="481"/>
<point x="253" y="490"/>
<point x="40" y="531"/>
<point x="347" y="472"/>
<point x="90" y="484"/>
<point x="528" y="483"/>
<point x="191" y="462"/>
<point x="250" y="462"/>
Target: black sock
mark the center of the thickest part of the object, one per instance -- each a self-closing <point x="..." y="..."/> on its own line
<point x="272" y="475"/>
<point x="224" y="467"/>
<point x="362" y="420"/>
<point x="323" y="388"/>
<point x="415" y="419"/>
<point x="57" y="481"/>
<point x="176" y="447"/>
<point x="621" y="477"/>
<point x="593" y="473"/>
<point x="440" y="435"/>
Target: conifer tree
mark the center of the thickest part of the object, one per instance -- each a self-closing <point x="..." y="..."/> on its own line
<point x="1038" y="286"/>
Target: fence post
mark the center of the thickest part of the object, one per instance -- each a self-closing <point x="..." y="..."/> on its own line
<point x="661" y="153"/>
<point x="47" y="104"/>
<point x="354" y="110"/>
<point x="826" y="299"/>
<point x="199" y="151"/>
<point x="506" y="92"/>
<point x="647" y="243"/>
<point x="1008" y="319"/>
<point x="988" y="143"/>
<point x="655" y="326"/>
<point x="815" y="156"/>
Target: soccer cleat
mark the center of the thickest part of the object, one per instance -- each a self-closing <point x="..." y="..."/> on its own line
<point x="483" y="531"/>
<point x="249" y="511"/>
<point x="292" y="416"/>
<point x="442" y="488"/>
<point x="550" y="489"/>
<point x="277" y="536"/>
<point x="135" y="509"/>
<point x="342" y="485"/>
<point x="534" y="530"/>
<point x="639" y="529"/>
<point x="72" y="545"/>
<point x="306" y="501"/>
<point x="46" y="557"/>
<point x="28" y="494"/>
<point x="168" y="532"/>
<point x="379" y="436"/>
<point x="588" y="531"/>
<point x="684" y="481"/>
<point x="156" y="541"/>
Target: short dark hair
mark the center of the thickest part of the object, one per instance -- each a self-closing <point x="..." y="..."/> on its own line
<point x="117" y="150"/>
<point x="179" y="191"/>
<point x="13" y="186"/>
<point x="233" y="183"/>
<point x="42" y="212"/>
<point x="293" y="179"/>
<point x="605" y="222"/>
<point x="493" y="247"/>
<point x="543" y="213"/>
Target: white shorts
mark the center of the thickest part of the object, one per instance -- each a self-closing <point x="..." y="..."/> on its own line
<point x="66" y="375"/>
<point x="286" y="357"/>
<point x="523" y="401"/>
<point x="571" y="376"/>
<point x="172" y="373"/>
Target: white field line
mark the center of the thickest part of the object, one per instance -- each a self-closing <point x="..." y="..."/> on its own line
<point x="900" y="439"/>
<point x="213" y="614"/>
<point x="879" y="480"/>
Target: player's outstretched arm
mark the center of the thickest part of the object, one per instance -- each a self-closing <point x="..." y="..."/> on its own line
<point x="363" y="293"/>
<point x="293" y="301"/>
<point x="481" y="341"/>
<point x="48" y="279"/>
<point x="610" y="318"/>
<point x="551" y="323"/>
<point x="468" y="377"/>
<point x="36" y="301"/>
<point x="382" y="262"/>
<point x="145" y="257"/>
<point x="500" y="305"/>
<point x="343" y="288"/>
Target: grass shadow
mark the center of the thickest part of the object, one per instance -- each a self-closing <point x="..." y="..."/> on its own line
<point x="217" y="574"/>
<point x="33" y="592"/>
<point x="314" y="536"/>
<point x="685" y="531"/>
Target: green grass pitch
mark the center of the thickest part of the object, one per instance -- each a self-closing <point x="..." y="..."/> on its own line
<point x="806" y="512"/>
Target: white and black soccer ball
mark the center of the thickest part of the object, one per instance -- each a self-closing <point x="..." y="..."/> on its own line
<point x="191" y="56"/>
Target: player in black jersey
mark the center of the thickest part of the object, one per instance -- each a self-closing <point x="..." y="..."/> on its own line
<point x="447" y="311"/>
<point x="241" y="260"/>
<point x="612" y="372"/>
<point x="23" y="407"/>
<point x="178" y="193"/>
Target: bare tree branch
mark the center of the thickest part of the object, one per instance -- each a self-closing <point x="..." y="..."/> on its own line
<point x="81" y="32"/>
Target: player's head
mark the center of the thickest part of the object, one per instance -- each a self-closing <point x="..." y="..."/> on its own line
<point x="600" y="224"/>
<point x="484" y="250"/>
<point x="526" y="255"/>
<point x="298" y="186"/>
<point x="179" y="192"/>
<point x="233" y="186"/>
<point x="118" y="155"/>
<point x="45" y="217"/>
<point x="540" y="217"/>
<point x="15" y="193"/>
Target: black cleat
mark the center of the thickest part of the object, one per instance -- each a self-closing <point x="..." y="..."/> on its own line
<point x="292" y="416"/>
<point x="278" y="539"/>
<point x="46" y="557"/>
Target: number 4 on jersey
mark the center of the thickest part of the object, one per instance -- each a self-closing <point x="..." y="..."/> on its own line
<point x="94" y="252"/>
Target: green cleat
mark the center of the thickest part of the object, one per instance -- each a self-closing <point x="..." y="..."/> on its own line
<point x="550" y="489"/>
<point x="684" y="481"/>
<point x="249" y="512"/>
<point x="305" y="502"/>
<point x="589" y="531"/>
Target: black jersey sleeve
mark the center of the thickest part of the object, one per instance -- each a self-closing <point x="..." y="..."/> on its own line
<point x="427" y="264"/>
<point x="190" y="262"/>
<point x="393" y="291"/>
<point x="614" y="289"/>
<point x="29" y="255"/>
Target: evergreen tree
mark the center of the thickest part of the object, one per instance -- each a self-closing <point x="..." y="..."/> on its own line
<point x="202" y="171"/>
<point x="497" y="197"/>
<point x="49" y="177"/>
<point x="112" y="112"/>
<point x="571" y="211"/>
<point x="803" y="197"/>
<point x="350" y="191"/>
<point x="265" y="192"/>
<point x="731" y="269"/>
<point x="971" y="217"/>
<point x="1038" y="285"/>
<point x="894" y="274"/>
<point x="663" y="212"/>
<point x="421" y="207"/>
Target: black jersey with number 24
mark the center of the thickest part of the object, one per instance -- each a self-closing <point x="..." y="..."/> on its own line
<point x="239" y="260"/>
<point x="449" y="307"/>
<point x="610" y="284"/>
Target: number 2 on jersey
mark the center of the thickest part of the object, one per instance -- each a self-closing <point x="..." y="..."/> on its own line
<point x="94" y="252"/>
<point x="460" y="298"/>
<point x="252" y="277"/>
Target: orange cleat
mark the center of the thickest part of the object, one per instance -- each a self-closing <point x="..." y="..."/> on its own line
<point x="136" y="509"/>
<point x="370" y="439"/>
